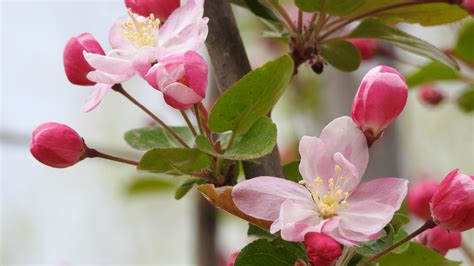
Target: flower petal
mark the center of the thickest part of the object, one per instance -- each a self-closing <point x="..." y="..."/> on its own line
<point x="180" y="96"/>
<point x="295" y="221"/>
<point x="100" y="89"/>
<point x="196" y="70"/>
<point x="315" y="159"/>
<point x="262" y="197"/>
<point x="186" y="15"/>
<point x="109" y="64"/>
<point x="116" y="38"/>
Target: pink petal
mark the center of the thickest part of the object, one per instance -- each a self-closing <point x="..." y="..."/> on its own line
<point x="331" y="227"/>
<point x="109" y="64"/>
<point x="190" y="38"/>
<point x="185" y="15"/>
<point x="372" y="205"/>
<point x="196" y="71"/>
<point x="100" y="89"/>
<point x="295" y="221"/>
<point x="102" y="77"/>
<point x="350" y="176"/>
<point x="342" y="135"/>
<point x="180" y="96"/>
<point x="262" y="197"/>
<point x="315" y="159"/>
<point x="116" y="38"/>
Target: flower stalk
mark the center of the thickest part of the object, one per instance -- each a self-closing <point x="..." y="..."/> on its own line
<point x="93" y="153"/>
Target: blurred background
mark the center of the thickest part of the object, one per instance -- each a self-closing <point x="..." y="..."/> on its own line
<point x="86" y="215"/>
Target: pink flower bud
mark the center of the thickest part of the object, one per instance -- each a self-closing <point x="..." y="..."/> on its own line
<point x="232" y="258"/>
<point x="431" y="95"/>
<point x="381" y="97"/>
<point x="57" y="145"/>
<point x="469" y="6"/>
<point x="440" y="239"/>
<point x="452" y="206"/>
<point x="322" y="250"/>
<point x="75" y="65"/>
<point x="181" y="78"/>
<point x="366" y="47"/>
<point x="161" y="9"/>
<point x="419" y="198"/>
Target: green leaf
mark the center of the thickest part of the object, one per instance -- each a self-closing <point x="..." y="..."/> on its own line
<point x="156" y="137"/>
<point x="374" y="29"/>
<point x="254" y="230"/>
<point x="258" y="141"/>
<point x="342" y="55"/>
<point x="174" y="161"/>
<point x="398" y="221"/>
<point x="416" y="254"/>
<point x="397" y="237"/>
<point x="276" y="253"/>
<point x="148" y="185"/>
<point x="466" y="100"/>
<point x="292" y="171"/>
<point x="261" y="10"/>
<point x="431" y="72"/>
<point x="186" y="186"/>
<point x="424" y="14"/>
<point x="333" y="7"/>
<point x="465" y="43"/>
<point x="251" y="97"/>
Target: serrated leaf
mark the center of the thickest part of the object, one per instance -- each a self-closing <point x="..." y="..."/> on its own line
<point x="263" y="252"/>
<point x="156" y="137"/>
<point x="251" y="97"/>
<point x="292" y="171"/>
<point x="431" y="72"/>
<point x="222" y="198"/>
<point x="342" y="55"/>
<point x="416" y="254"/>
<point x="375" y="29"/>
<point x="148" y="185"/>
<point x="464" y="48"/>
<point x="258" y="141"/>
<point x="427" y="14"/>
<point x="186" y="186"/>
<point x="466" y="100"/>
<point x="174" y="161"/>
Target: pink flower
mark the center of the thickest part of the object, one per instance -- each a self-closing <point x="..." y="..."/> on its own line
<point x="181" y="78"/>
<point x="332" y="201"/>
<point x="469" y="6"/>
<point x="366" y="47"/>
<point x="140" y="42"/>
<point x="57" y="145"/>
<point x="75" y="65"/>
<point x="321" y="249"/>
<point x="419" y="198"/>
<point x="161" y="9"/>
<point x="430" y="95"/>
<point x="232" y="258"/>
<point x="381" y="97"/>
<point x="453" y="204"/>
<point x="440" y="239"/>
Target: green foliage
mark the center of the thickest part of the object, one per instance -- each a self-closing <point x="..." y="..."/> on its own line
<point x="431" y="72"/>
<point x="416" y="254"/>
<point x="375" y="29"/>
<point x="466" y="100"/>
<point x="333" y="7"/>
<point x="186" y="186"/>
<point x="276" y="252"/>
<point x="258" y="141"/>
<point x="148" y="185"/>
<point x="261" y="10"/>
<point x="156" y="137"/>
<point x="342" y="55"/>
<point x="251" y="97"/>
<point x="259" y="232"/>
<point x="464" y="48"/>
<point x="292" y="172"/>
<point x="428" y="14"/>
<point x="174" y="161"/>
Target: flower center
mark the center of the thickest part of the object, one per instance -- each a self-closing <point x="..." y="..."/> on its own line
<point x="332" y="199"/>
<point x="184" y="80"/>
<point x="141" y="32"/>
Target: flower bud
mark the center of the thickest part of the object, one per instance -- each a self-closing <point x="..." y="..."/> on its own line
<point x="161" y="9"/>
<point x="430" y="95"/>
<point x="440" y="239"/>
<point x="419" y="198"/>
<point x="381" y="97"/>
<point x="181" y="78"/>
<point x="469" y="6"/>
<point x="75" y="65"/>
<point x="452" y="206"/>
<point x="57" y="145"/>
<point x="322" y="250"/>
<point x="366" y="47"/>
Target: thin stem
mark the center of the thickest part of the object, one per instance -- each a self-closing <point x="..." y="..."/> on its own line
<point x="231" y="141"/>
<point x="428" y="225"/>
<point x="93" y="153"/>
<point x="286" y="17"/>
<point x="379" y="10"/>
<point x="188" y="122"/>
<point x="198" y="119"/>
<point x="300" y="21"/>
<point x="467" y="251"/>
<point x="118" y="88"/>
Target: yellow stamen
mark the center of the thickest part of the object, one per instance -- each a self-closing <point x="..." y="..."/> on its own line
<point x="141" y="33"/>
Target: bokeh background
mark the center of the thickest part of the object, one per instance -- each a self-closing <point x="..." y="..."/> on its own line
<point x="84" y="214"/>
